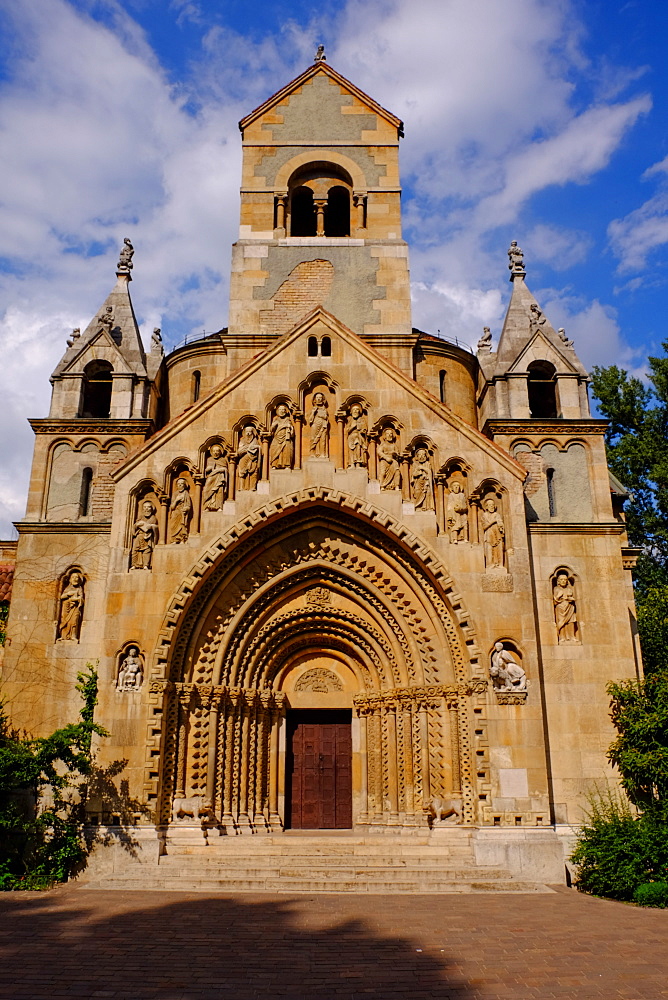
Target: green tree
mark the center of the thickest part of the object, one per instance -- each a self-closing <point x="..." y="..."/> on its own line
<point x="41" y="821"/>
<point x="639" y="711"/>
<point x="637" y="446"/>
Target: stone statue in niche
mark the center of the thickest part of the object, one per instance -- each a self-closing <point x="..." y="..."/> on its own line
<point x="565" y="609"/>
<point x="216" y="479"/>
<point x="357" y="436"/>
<point x="71" y="607"/>
<point x="319" y="423"/>
<point x="389" y="472"/>
<point x="180" y="513"/>
<point x="422" y="485"/>
<point x="144" y="537"/>
<point x="282" y="448"/>
<point x="125" y="256"/>
<point x="494" y="534"/>
<point x="131" y="672"/>
<point x="457" y="514"/>
<point x="505" y="671"/>
<point x="248" y="458"/>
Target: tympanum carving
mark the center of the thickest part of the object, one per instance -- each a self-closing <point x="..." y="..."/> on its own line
<point x="320" y="680"/>
<point x="71" y="607"/>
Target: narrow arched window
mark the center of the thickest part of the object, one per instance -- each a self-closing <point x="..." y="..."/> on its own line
<point x="542" y="389"/>
<point x="441" y="384"/>
<point x="313" y="347"/>
<point x="197" y="378"/>
<point x="326" y="347"/>
<point x="337" y="212"/>
<point x="551" y="494"/>
<point x="96" y="390"/>
<point x="84" y="496"/>
<point x="302" y="212"/>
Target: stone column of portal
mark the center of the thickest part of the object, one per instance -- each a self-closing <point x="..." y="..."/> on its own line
<point x="182" y="744"/>
<point x="424" y="753"/>
<point x="453" y="714"/>
<point x="265" y="437"/>
<point x="407" y="744"/>
<point x="232" y="477"/>
<point x="363" y="815"/>
<point x="228" y="782"/>
<point x="213" y="704"/>
<point x="320" y="206"/>
<point x="341" y="458"/>
<point x="197" y="504"/>
<point x="260" y="818"/>
<point x="392" y="764"/>
<point x="276" y="716"/>
<point x="440" y="503"/>
<point x="245" y="709"/>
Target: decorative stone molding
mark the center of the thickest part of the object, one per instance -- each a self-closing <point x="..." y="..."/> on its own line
<point x="511" y="697"/>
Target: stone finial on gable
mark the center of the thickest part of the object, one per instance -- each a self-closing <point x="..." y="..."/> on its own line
<point x="320" y="54"/>
<point x="124" y="265"/>
<point x="485" y="342"/>
<point x="516" y="261"/>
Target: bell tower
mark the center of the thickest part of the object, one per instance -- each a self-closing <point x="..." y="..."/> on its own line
<point x="320" y="215"/>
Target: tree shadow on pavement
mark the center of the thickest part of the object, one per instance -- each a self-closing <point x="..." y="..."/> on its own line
<point x="187" y="946"/>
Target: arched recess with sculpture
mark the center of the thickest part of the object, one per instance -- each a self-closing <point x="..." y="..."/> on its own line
<point x="317" y="604"/>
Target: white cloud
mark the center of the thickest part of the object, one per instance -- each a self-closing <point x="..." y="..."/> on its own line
<point x="593" y="327"/>
<point x="634" y="237"/>
<point x="560" y="248"/>
<point x="98" y="143"/>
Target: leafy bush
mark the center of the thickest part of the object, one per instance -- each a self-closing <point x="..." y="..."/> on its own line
<point x="651" y="894"/>
<point x="617" y="850"/>
<point x="639" y="711"/>
<point x="42" y="845"/>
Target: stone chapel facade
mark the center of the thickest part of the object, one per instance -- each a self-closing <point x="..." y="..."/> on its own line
<point x="336" y="572"/>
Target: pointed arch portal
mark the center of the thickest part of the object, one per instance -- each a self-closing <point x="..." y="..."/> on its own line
<point x="313" y="616"/>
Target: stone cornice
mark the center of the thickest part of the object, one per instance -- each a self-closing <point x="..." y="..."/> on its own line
<point x="575" y="528"/>
<point x="85" y="425"/>
<point x="557" y="425"/>
<point x="63" y="527"/>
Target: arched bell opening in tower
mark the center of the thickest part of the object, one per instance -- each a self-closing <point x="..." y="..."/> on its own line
<point x="96" y="390"/>
<point x="542" y="388"/>
<point x="319" y="199"/>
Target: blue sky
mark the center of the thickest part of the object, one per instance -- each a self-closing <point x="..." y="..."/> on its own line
<point x="537" y="120"/>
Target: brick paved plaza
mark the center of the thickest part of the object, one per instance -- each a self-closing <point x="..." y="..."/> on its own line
<point x="75" y="942"/>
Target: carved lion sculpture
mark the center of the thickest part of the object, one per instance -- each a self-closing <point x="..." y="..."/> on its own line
<point x="444" y="810"/>
<point x="195" y="807"/>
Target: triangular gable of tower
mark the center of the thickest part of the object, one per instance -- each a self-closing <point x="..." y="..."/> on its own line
<point x="120" y="333"/>
<point x="540" y="348"/>
<point x="525" y="321"/>
<point x="337" y="329"/>
<point x="339" y="110"/>
<point x="101" y="346"/>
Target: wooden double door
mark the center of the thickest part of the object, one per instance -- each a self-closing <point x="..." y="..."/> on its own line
<point x="319" y="770"/>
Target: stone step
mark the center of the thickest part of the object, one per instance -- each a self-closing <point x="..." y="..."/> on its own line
<point x="252" y="869"/>
<point x="310" y="885"/>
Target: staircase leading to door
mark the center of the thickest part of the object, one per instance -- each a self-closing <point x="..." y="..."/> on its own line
<point x="314" y="862"/>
